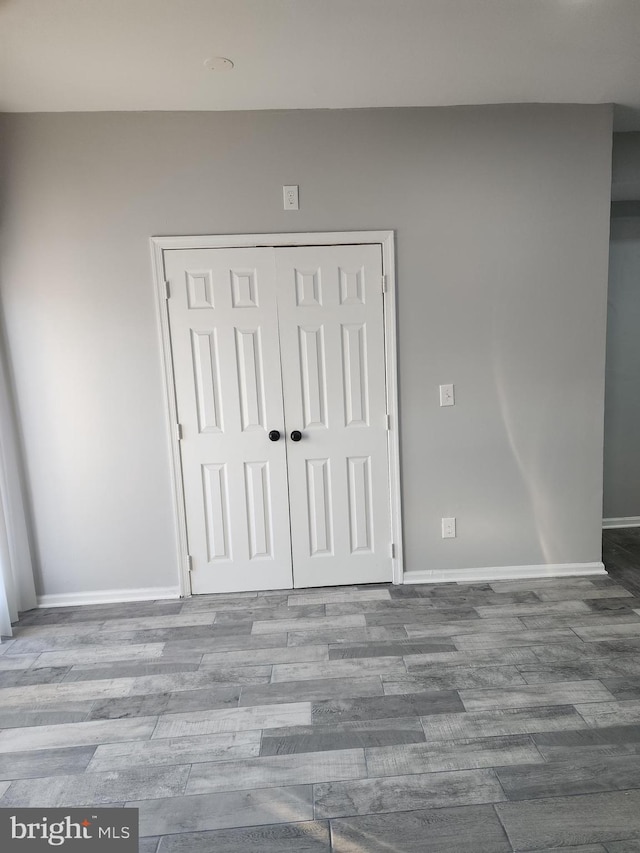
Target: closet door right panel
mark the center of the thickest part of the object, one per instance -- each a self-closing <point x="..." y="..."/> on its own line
<point x="330" y="310"/>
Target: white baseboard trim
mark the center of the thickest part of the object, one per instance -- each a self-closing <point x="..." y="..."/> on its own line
<point x="631" y="521"/>
<point x="504" y="573"/>
<point x="108" y="596"/>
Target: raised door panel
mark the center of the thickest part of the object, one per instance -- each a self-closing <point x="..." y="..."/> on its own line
<point x="317" y="498"/>
<point x="205" y="355"/>
<point x="226" y="360"/>
<point x="313" y="376"/>
<point x="354" y="374"/>
<point x="330" y="308"/>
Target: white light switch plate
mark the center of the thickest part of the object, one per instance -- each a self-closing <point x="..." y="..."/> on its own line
<point x="447" y="397"/>
<point x="448" y="528"/>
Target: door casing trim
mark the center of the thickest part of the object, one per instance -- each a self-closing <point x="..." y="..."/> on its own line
<point x="233" y="241"/>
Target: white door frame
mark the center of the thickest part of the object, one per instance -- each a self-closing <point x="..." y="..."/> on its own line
<point x="230" y="241"/>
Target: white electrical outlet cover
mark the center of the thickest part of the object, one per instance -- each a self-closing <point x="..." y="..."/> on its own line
<point x="290" y="197"/>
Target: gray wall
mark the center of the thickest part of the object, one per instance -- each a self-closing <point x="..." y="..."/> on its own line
<point x="501" y="215"/>
<point x="622" y="397"/>
<point x="625" y="177"/>
<point x="622" y="409"/>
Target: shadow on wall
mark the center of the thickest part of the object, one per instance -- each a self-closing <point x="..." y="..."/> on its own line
<point x="10" y="419"/>
<point x="528" y="455"/>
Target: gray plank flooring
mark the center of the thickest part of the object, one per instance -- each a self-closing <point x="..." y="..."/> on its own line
<point x="466" y="829"/>
<point x="305" y="837"/>
<point x="361" y="733"/>
<point x="478" y="718"/>
<point x="412" y="791"/>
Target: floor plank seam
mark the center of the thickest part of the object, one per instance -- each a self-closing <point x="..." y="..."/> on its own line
<point x="504" y="829"/>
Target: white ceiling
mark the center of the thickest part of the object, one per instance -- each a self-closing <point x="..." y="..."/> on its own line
<point x="149" y="54"/>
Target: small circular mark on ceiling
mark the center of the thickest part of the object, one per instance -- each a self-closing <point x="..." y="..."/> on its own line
<point x="218" y="63"/>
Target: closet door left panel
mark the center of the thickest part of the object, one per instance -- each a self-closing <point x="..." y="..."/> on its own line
<point x="226" y="360"/>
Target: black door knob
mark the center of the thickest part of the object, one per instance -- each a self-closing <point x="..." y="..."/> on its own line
<point x="296" y="435"/>
<point x="274" y="435"/>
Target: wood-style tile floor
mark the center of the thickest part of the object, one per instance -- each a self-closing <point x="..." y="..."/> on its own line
<point x="481" y="718"/>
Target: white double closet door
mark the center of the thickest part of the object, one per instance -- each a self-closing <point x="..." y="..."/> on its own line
<point x="289" y="340"/>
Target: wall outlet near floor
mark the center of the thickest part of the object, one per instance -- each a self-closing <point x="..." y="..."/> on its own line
<point x="448" y="528"/>
<point x="291" y="198"/>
